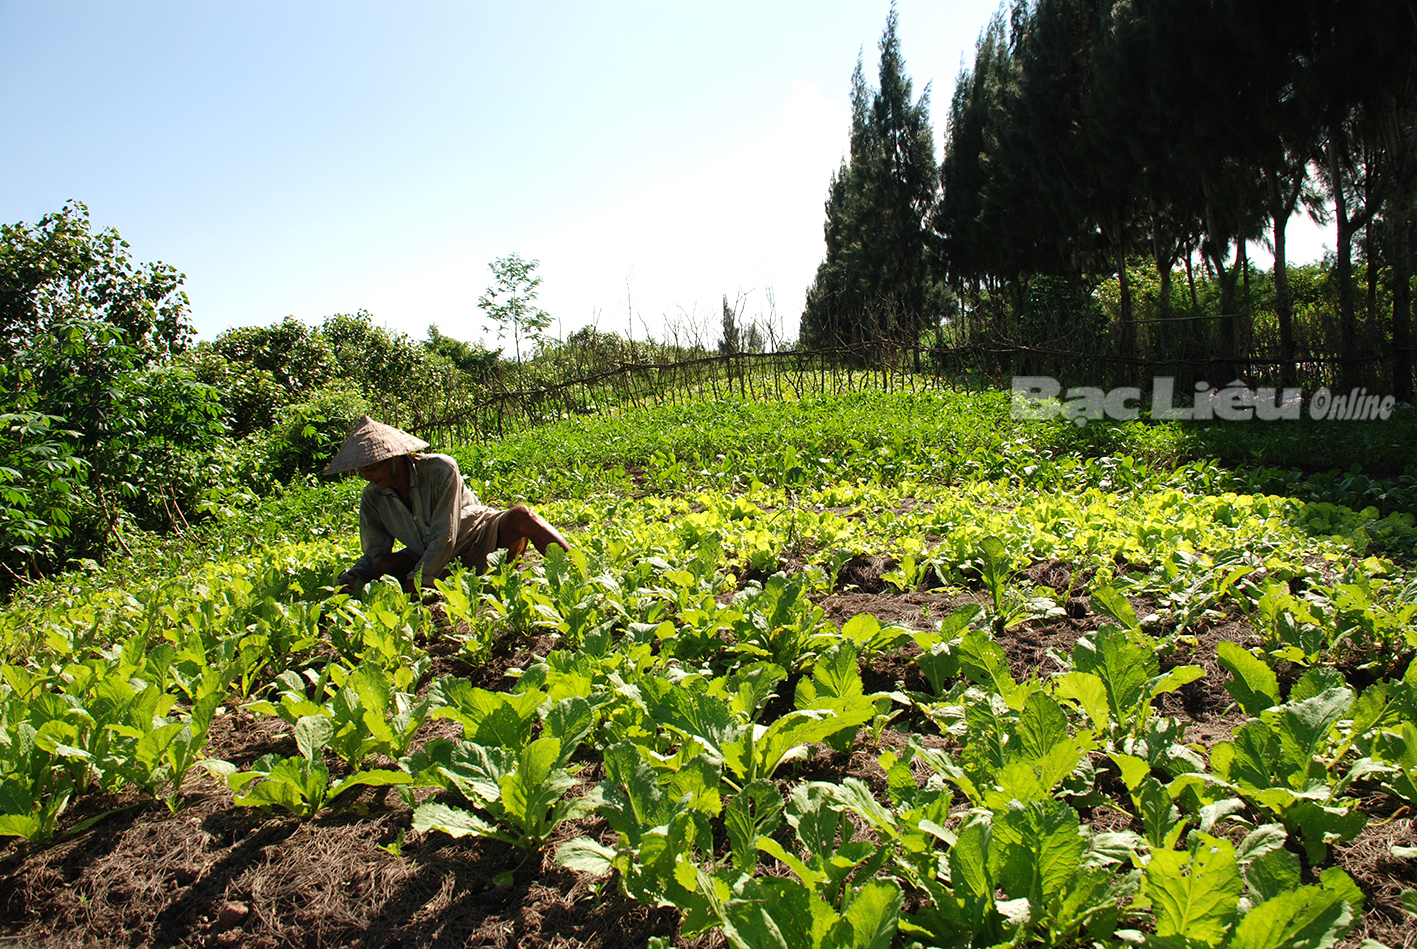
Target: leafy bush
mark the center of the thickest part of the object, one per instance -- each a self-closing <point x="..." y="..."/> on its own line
<point x="251" y="397"/>
<point x="98" y="416"/>
<point x="38" y="477"/>
<point x="311" y="432"/>
<point x="300" y="359"/>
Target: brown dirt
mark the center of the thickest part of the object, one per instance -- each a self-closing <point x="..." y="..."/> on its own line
<point x="863" y="572"/>
<point x="1204" y="705"/>
<point x="511" y="652"/>
<point x="919" y="611"/>
<point x="218" y="875"/>
<point x="241" y="737"/>
<point x="1381" y="876"/>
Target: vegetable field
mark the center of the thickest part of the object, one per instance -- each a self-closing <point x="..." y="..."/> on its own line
<point x="862" y="671"/>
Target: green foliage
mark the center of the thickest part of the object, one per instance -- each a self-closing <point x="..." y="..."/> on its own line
<point x="724" y="729"/>
<point x="39" y="478"/>
<point x="876" y="282"/>
<point x="39" y="770"/>
<point x="1196" y="898"/>
<point x="302" y="784"/>
<point x="367" y="715"/>
<point x="487" y="718"/>
<point x="1088" y="160"/>
<point x="835" y="685"/>
<point x="403" y="380"/>
<point x="1285" y="761"/>
<point x="939" y="658"/>
<point x="661" y="821"/>
<point x="294" y="390"/>
<point x="738" y="337"/>
<point x="1252" y="683"/>
<point x="995" y="567"/>
<point x="520" y="786"/>
<point x="510" y="302"/>
<point x="298" y="358"/>
<point x="1020" y="758"/>
<point x="706" y="706"/>
<point x="471" y="359"/>
<point x="251" y="397"/>
<point x="778" y="623"/>
<point x="770" y="911"/>
<point x="96" y="418"/>
<point x="1116" y="678"/>
<point x="311" y="431"/>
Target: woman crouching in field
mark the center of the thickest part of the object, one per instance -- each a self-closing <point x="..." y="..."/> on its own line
<point x="421" y="500"/>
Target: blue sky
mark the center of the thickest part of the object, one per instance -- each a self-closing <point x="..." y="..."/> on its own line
<point x="313" y="158"/>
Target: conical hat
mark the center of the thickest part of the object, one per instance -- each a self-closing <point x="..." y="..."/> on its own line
<point x="370" y="442"/>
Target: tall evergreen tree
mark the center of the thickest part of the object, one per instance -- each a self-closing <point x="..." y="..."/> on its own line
<point x="1134" y="116"/>
<point x="876" y="280"/>
<point x="1085" y="124"/>
<point x="1283" y="134"/>
<point x="1111" y="167"/>
<point x="1395" y="93"/>
<point x="1349" y="175"/>
<point x="965" y="171"/>
<point x="1202" y="69"/>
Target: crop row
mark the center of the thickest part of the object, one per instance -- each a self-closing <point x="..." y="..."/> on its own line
<point x="667" y="667"/>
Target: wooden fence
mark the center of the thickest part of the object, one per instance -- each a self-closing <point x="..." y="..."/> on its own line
<point x="503" y="409"/>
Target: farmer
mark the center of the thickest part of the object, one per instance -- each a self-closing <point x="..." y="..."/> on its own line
<point x="421" y="500"/>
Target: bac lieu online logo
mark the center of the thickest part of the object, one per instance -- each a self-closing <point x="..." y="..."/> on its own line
<point x="1042" y="397"/>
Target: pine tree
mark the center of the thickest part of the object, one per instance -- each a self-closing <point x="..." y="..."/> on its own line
<point x="876" y="280"/>
<point x="1395" y="39"/>
<point x="964" y="175"/>
<point x="1087" y="125"/>
<point x="729" y="343"/>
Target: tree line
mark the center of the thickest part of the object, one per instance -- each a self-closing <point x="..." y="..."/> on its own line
<point x="1094" y="145"/>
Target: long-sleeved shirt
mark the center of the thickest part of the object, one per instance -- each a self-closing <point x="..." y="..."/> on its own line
<point x="444" y="520"/>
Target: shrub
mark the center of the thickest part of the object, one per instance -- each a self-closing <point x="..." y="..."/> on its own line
<point x="310" y="433"/>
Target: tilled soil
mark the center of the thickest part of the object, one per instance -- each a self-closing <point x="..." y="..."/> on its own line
<point x="218" y="875"/>
<point x="214" y="874"/>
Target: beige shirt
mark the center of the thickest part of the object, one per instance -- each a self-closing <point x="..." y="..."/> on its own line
<point x="444" y="521"/>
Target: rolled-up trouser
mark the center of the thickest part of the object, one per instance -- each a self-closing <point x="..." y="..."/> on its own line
<point x="480" y="537"/>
